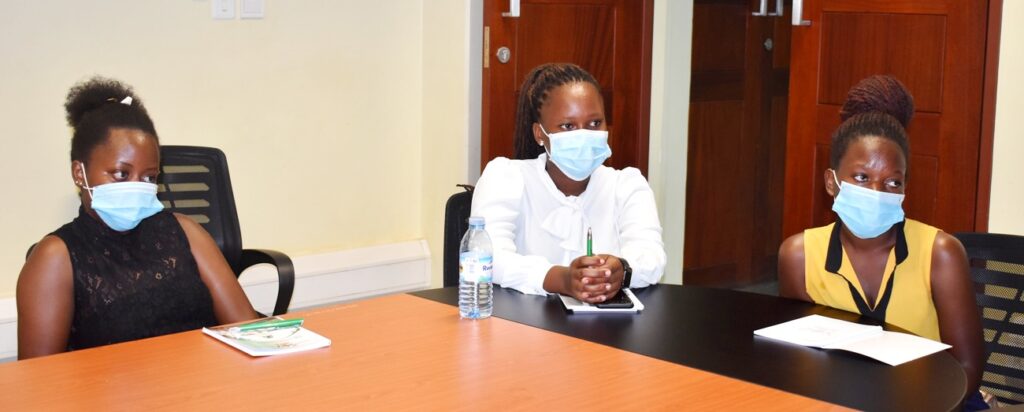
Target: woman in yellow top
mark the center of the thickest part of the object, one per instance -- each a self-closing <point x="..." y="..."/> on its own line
<point x="872" y="260"/>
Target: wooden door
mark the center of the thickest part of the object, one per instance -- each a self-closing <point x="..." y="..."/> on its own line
<point x="611" y="39"/>
<point x="739" y="81"/>
<point x="937" y="49"/>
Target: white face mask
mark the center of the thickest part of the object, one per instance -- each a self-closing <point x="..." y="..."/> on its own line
<point x="123" y="205"/>
<point x="578" y="153"/>
<point x="866" y="213"/>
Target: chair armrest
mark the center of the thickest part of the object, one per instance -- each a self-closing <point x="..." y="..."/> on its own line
<point x="285" y="273"/>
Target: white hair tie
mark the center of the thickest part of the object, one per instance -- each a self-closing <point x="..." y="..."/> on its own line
<point x="127" y="101"/>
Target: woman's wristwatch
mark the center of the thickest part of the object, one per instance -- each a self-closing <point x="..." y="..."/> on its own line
<point x="627" y="273"/>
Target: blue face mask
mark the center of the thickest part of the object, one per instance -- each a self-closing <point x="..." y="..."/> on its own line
<point x="578" y="153"/>
<point x="867" y="213"/>
<point x="122" y="205"/>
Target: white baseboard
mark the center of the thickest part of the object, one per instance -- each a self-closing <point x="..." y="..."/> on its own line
<point x="319" y="279"/>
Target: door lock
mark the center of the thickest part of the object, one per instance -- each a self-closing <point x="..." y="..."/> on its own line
<point x="504" y="54"/>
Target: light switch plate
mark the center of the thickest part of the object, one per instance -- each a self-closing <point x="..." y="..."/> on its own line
<point x="223" y="9"/>
<point x="252" y="9"/>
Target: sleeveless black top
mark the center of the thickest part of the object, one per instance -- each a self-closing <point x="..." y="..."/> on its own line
<point x="133" y="285"/>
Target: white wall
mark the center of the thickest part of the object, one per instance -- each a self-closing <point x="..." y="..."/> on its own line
<point x="451" y="110"/>
<point x="670" y="108"/>
<point x="319" y="107"/>
<point x="1005" y="213"/>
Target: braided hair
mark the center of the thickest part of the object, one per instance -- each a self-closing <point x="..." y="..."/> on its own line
<point x="99" y="104"/>
<point x="879" y="105"/>
<point x="534" y="92"/>
<point x="879" y="93"/>
<point x="868" y="124"/>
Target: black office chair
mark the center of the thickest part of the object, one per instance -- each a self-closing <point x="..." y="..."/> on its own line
<point x="194" y="181"/>
<point x="997" y="268"/>
<point x="456" y="222"/>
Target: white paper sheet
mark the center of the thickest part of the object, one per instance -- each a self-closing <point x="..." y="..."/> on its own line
<point x="817" y="331"/>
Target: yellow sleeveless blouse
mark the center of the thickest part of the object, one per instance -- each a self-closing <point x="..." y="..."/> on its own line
<point x="905" y="296"/>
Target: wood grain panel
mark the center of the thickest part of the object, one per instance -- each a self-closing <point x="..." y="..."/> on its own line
<point x="718" y="192"/>
<point x="826" y="123"/>
<point x="548" y="22"/>
<point x="772" y="226"/>
<point x="781" y="37"/>
<point x="925" y="135"/>
<point x="716" y="85"/>
<point x="737" y="145"/>
<point x="500" y="85"/>
<point x="888" y="6"/>
<point x="727" y="52"/>
<point x="910" y="47"/>
<point x="922" y="188"/>
<point x="393" y="353"/>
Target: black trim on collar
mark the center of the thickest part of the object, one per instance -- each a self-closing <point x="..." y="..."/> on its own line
<point x="834" y="261"/>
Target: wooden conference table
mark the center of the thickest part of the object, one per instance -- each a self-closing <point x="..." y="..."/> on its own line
<point x="692" y="348"/>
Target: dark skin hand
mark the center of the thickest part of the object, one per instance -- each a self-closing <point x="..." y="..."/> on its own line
<point x="879" y="164"/>
<point x="573" y="106"/>
<point x="45" y="292"/>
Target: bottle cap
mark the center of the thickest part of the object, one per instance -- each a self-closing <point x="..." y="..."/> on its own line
<point x="476" y="220"/>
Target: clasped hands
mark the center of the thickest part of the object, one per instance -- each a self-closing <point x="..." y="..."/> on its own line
<point x="591" y="279"/>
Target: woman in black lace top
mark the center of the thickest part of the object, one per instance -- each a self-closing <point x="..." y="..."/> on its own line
<point x="123" y="269"/>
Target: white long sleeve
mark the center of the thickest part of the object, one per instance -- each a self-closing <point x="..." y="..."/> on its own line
<point x="498" y="197"/>
<point x="639" y="229"/>
<point x="533" y="226"/>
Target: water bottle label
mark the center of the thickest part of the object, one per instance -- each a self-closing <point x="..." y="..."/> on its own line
<point x="474" y="267"/>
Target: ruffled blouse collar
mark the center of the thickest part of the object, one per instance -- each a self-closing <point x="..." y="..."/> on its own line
<point x="567" y="222"/>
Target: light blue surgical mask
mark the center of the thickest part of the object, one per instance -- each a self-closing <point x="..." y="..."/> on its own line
<point x="122" y="205"/>
<point x="578" y="153"/>
<point x="867" y="213"/>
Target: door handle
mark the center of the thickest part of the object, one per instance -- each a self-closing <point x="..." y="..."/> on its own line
<point x="798" y="14"/>
<point x="513" y="9"/>
<point x="763" y="10"/>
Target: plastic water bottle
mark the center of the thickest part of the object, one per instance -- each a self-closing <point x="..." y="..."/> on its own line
<point x="476" y="259"/>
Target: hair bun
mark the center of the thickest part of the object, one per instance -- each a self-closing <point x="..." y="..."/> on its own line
<point x="879" y="93"/>
<point x="93" y="94"/>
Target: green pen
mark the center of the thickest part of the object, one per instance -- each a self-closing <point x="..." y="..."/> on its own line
<point x="270" y="324"/>
<point x="590" y="243"/>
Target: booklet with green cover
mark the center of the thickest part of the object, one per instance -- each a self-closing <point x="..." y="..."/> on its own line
<point x="268" y="336"/>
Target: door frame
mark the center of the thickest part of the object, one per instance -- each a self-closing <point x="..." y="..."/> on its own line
<point x="988" y="115"/>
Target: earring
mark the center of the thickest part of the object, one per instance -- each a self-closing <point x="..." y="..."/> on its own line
<point x="540" y="142"/>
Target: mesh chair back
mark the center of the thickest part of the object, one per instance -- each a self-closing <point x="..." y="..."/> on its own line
<point x="456" y="222"/>
<point x="997" y="267"/>
<point x="194" y="181"/>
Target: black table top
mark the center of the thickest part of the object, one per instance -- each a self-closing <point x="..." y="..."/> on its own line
<point x="713" y="330"/>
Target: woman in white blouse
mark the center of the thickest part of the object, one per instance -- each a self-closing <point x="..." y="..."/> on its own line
<point x="539" y="207"/>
